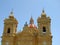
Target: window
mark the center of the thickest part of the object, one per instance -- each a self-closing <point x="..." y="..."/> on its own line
<point x="8" y="31"/>
<point x="44" y="29"/>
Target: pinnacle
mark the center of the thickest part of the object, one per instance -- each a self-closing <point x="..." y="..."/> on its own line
<point x="31" y="20"/>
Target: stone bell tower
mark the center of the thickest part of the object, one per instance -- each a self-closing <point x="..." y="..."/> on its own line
<point x="10" y="28"/>
<point x="44" y="23"/>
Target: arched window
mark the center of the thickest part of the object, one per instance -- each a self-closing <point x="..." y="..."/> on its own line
<point x="8" y="31"/>
<point x="44" y="29"/>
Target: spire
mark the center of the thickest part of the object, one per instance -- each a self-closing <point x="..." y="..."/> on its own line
<point x="31" y="25"/>
<point x="31" y="20"/>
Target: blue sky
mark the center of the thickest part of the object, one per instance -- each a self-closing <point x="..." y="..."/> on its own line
<point x="24" y="9"/>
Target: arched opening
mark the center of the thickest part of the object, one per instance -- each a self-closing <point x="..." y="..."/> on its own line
<point x="44" y="29"/>
<point x="8" y="31"/>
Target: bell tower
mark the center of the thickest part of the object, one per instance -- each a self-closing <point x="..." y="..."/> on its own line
<point x="44" y="24"/>
<point x="10" y="28"/>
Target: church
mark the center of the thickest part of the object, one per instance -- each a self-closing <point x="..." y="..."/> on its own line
<point x="30" y="35"/>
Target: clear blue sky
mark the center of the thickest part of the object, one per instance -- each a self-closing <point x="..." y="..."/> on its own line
<point x="23" y="9"/>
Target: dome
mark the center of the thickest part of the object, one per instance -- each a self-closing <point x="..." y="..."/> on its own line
<point x="32" y="26"/>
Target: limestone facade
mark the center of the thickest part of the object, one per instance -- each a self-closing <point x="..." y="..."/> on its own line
<point x="30" y="35"/>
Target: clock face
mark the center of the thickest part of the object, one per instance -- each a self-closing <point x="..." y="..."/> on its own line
<point x="44" y="43"/>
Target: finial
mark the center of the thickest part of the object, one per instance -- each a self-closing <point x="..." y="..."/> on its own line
<point x="31" y="20"/>
<point x="11" y="13"/>
<point x="31" y="17"/>
<point x="43" y="14"/>
<point x="43" y="10"/>
<point x="26" y="24"/>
